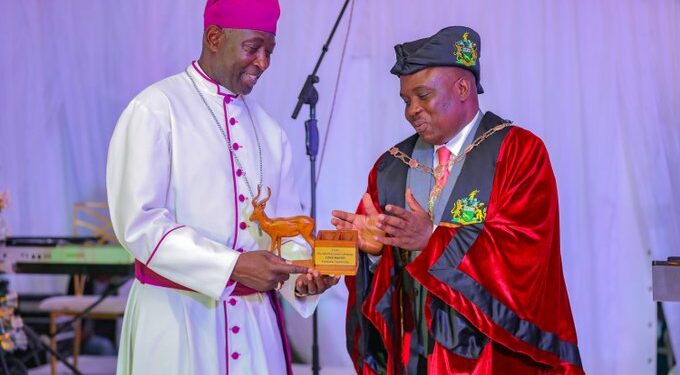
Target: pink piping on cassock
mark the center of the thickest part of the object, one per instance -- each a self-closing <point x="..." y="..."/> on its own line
<point x="146" y="275"/>
<point x="227" y="98"/>
<point x="226" y="335"/>
<point x="161" y="240"/>
<point x="274" y="301"/>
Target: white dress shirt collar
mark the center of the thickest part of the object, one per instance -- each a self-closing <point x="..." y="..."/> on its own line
<point x="456" y="143"/>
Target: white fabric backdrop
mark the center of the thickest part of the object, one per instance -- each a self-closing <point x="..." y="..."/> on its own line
<point x="598" y="81"/>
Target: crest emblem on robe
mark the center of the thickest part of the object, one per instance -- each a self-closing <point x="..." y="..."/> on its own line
<point x="466" y="51"/>
<point x="469" y="210"/>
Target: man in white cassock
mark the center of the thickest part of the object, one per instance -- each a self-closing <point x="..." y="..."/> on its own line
<point x="184" y="164"/>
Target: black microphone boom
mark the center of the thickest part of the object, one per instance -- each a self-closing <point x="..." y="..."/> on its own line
<point x="305" y="94"/>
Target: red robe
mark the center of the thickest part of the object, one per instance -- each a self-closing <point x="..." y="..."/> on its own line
<point x="496" y="298"/>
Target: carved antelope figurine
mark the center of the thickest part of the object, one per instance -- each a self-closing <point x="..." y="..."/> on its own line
<point x="280" y="227"/>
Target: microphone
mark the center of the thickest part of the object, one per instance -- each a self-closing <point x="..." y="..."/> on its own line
<point x="308" y="94"/>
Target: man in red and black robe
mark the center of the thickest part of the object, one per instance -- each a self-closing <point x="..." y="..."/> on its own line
<point x="468" y="281"/>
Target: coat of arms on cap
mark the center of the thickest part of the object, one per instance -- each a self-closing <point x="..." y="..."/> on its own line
<point x="466" y="51"/>
<point x="468" y="210"/>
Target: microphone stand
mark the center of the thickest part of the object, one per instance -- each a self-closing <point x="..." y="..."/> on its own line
<point x="309" y="95"/>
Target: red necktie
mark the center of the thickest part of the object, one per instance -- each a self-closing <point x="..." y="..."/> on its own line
<point x="444" y="155"/>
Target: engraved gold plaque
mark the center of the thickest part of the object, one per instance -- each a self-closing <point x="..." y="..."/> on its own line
<point x="335" y="253"/>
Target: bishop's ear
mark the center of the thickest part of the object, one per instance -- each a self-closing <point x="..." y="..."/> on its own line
<point x="212" y="37"/>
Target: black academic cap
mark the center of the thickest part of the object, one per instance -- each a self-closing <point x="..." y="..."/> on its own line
<point x="457" y="46"/>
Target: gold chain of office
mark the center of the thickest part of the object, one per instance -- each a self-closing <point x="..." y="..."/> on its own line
<point x="439" y="171"/>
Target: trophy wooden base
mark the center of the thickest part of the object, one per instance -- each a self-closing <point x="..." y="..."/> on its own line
<point x="335" y="253"/>
<point x="309" y="263"/>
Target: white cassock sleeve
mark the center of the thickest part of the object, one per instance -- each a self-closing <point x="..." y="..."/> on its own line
<point x="138" y="180"/>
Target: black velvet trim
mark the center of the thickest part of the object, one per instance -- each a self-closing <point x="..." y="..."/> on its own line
<point x="503" y="316"/>
<point x="454" y="332"/>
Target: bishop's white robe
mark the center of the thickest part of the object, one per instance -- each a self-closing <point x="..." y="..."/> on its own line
<point x="180" y="204"/>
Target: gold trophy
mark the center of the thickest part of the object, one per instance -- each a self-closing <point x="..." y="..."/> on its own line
<point x="334" y="252"/>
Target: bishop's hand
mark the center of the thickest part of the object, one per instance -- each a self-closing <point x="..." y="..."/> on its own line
<point x="314" y="282"/>
<point x="262" y="270"/>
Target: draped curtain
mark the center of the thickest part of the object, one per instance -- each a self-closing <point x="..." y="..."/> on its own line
<point x="597" y="81"/>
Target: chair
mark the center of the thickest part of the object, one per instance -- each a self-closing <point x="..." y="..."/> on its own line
<point x="92" y="219"/>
